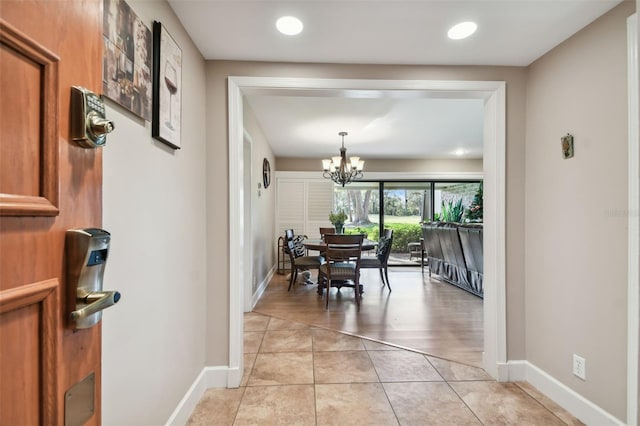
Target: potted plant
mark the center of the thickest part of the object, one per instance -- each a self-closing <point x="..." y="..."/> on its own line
<point x="337" y="220"/>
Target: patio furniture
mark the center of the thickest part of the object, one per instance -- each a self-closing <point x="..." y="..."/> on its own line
<point x="454" y="253"/>
<point x="382" y="257"/>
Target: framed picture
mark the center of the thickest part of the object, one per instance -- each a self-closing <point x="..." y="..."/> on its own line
<point x="126" y="66"/>
<point x="567" y="146"/>
<point x="167" y="87"/>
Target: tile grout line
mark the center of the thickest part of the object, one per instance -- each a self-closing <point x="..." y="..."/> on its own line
<point x="452" y="389"/>
<point x="464" y="402"/>
<point x="381" y="384"/>
<point x="313" y="375"/>
<point x="244" y="391"/>
<point x="539" y="402"/>
<point x="235" y="416"/>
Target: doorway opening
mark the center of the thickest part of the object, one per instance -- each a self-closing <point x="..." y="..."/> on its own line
<point x="493" y="95"/>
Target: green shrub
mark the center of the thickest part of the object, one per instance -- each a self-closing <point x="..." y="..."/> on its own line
<point x="370" y="231"/>
<point x="403" y="234"/>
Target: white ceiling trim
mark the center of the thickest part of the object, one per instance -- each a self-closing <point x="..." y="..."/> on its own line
<point x="449" y="89"/>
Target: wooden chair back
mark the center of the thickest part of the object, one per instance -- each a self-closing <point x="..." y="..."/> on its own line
<point x="324" y="231"/>
<point x="344" y="248"/>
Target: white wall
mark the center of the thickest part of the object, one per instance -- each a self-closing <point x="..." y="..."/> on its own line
<point x="154" y="206"/>
<point x="263" y="202"/>
<point x="218" y="173"/>
<point x="576" y="223"/>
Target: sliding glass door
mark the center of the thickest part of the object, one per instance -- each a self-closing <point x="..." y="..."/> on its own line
<point x="361" y="202"/>
<point x="403" y="206"/>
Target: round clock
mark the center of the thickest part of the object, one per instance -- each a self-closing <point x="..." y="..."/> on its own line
<point x="266" y="173"/>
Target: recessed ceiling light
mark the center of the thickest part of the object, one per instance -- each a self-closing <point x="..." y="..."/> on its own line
<point x="289" y="25"/>
<point x="462" y="30"/>
<point x="459" y="151"/>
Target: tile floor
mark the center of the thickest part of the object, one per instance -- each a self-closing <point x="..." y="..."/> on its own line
<point x="295" y="374"/>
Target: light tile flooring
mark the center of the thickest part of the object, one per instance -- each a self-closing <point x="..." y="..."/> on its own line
<point x="295" y="374"/>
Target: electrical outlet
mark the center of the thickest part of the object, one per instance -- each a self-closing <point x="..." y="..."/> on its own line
<point x="579" y="367"/>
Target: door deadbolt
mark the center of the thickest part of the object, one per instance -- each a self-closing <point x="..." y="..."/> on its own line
<point x="89" y="125"/>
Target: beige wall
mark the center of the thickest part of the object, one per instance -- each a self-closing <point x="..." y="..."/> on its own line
<point x="154" y="207"/>
<point x="576" y="223"/>
<point x="263" y="205"/>
<point x="374" y="165"/>
<point x="217" y="175"/>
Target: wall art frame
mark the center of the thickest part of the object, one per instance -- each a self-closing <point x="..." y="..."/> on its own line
<point x="167" y="87"/>
<point x="567" y="146"/>
<point x="126" y="68"/>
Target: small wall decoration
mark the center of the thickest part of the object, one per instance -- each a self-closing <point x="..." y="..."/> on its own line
<point x="126" y="65"/>
<point x="567" y="146"/>
<point x="167" y="87"/>
<point x="266" y="173"/>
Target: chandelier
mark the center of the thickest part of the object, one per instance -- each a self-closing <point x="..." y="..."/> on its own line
<point x="338" y="170"/>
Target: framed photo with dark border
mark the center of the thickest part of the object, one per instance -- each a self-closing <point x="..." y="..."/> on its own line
<point x="167" y="87"/>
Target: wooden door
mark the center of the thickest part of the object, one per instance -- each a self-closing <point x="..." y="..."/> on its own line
<point x="47" y="185"/>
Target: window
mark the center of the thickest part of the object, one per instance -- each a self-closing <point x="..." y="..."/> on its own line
<point x="403" y="206"/>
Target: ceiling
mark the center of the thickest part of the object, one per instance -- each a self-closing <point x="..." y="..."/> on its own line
<point x="510" y="32"/>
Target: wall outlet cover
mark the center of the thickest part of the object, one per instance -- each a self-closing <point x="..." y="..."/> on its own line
<point x="579" y="367"/>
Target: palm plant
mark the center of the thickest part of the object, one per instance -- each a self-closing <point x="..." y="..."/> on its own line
<point x="452" y="211"/>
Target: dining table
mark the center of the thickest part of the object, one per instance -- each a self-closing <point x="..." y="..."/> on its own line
<point x="319" y="245"/>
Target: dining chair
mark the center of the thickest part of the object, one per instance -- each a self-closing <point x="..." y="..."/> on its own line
<point x="342" y="266"/>
<point x="324" y="231"/>
<point x="300" y="262"/>
<point x="288" y="234"/>
<point x="381" y="258"/>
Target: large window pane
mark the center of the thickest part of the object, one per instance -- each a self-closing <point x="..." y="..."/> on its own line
<point x="451" y="200"/>
<point x="406" y="205"/>
<point x="361" y="202"/>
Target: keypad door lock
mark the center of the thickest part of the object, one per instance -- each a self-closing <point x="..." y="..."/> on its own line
<point x="87" y="251"/>
<point x="89" y="125"/>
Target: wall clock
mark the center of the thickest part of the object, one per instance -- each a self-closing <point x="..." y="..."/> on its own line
<point x="266" y="173"/>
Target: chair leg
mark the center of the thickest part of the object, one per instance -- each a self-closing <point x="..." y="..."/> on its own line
<point x="381" y="276"/>
<point x="294" y="275"/>
<point x="327" y="289"/>
<point x="386" y="274"/>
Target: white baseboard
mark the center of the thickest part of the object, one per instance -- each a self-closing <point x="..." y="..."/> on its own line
<point x="580" y="407"/>
<point x="209" y="377"/>
<point x="262" y="287"/>
<point x="513" y="371"/>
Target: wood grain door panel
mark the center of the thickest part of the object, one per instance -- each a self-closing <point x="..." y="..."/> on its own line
<point x="48" y="185"/>
<point x="28" y="334"/>
<point x="28" y="125"/>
